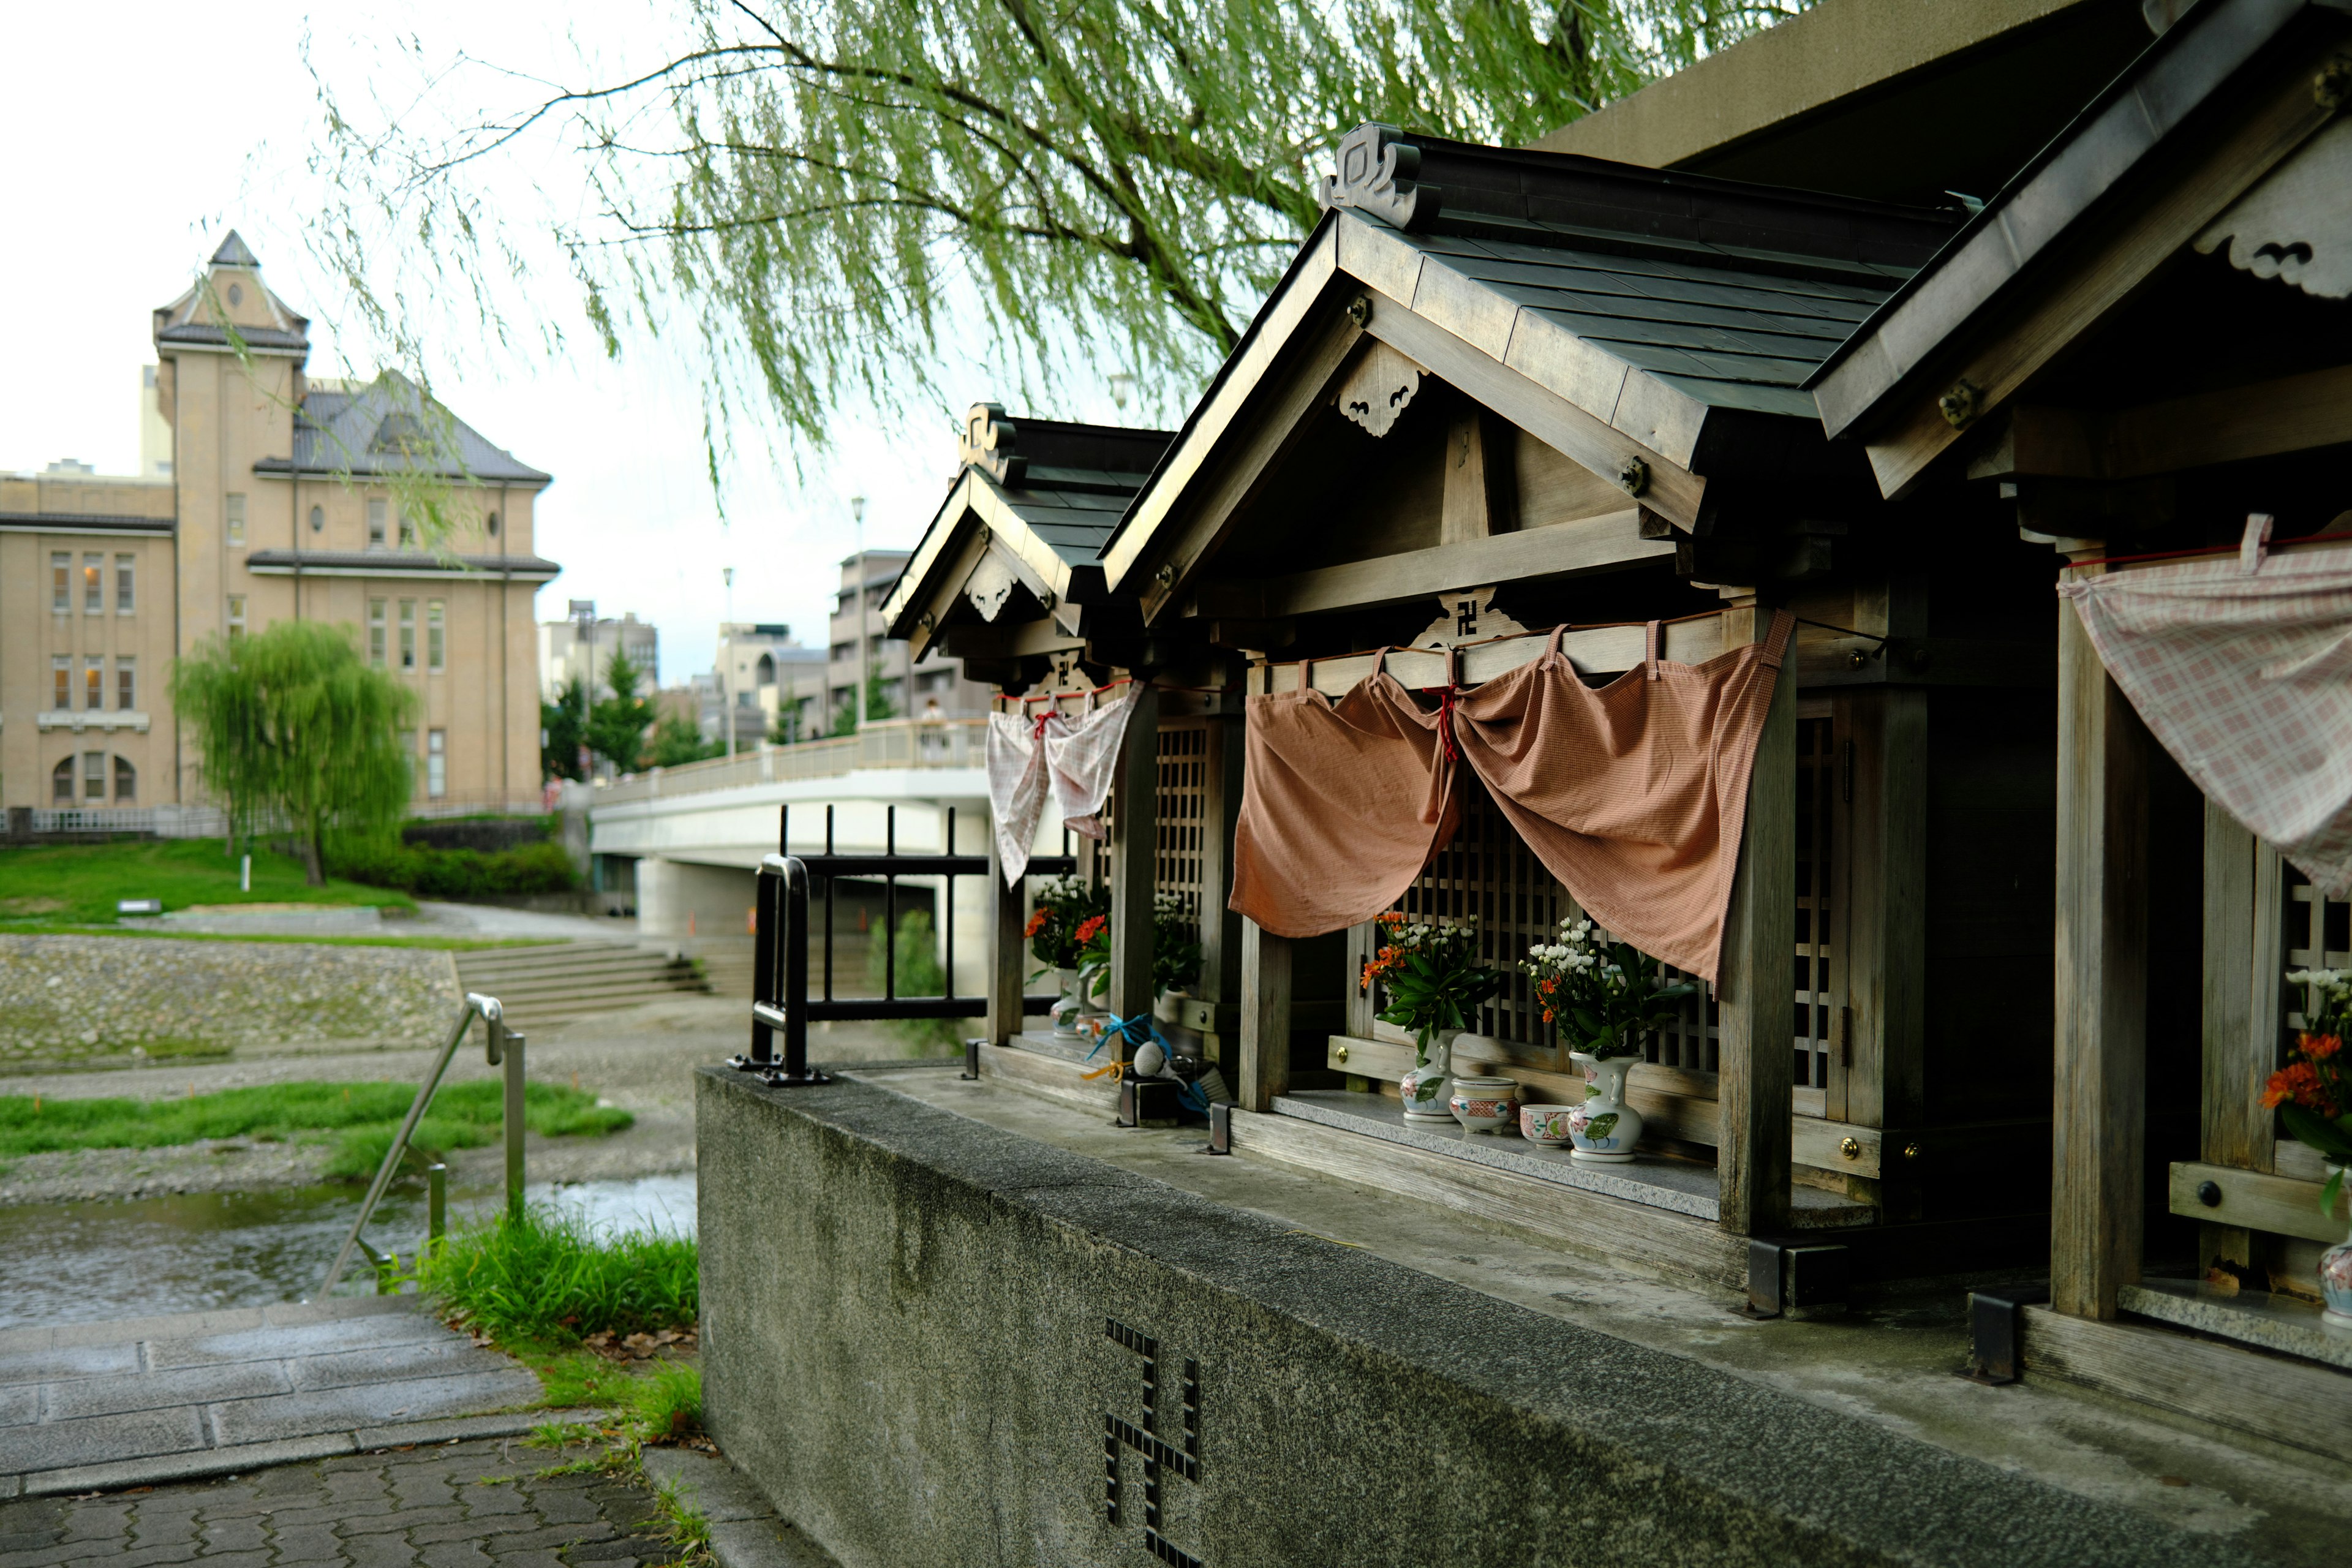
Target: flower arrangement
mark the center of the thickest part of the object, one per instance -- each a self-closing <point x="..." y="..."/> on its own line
<point x="2311" y="1093"/>
<point x="1429" y="972"/>
<point x="1604" y="995"/>
<point x="1064" y="904"/>
<point x="1175" y="949"/>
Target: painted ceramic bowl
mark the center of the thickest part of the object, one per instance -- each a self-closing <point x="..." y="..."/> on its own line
<point x="1546" y="1124"/>
<point x="1484" y="1104"/>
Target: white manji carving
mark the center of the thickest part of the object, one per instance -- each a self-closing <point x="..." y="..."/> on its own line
<point x="2295" y="225"/>
<point x="1379" y="387"/>
<point x="1468" y="615"/>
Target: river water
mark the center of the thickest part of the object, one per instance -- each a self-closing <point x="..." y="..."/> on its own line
<point x="63" y="1263"/>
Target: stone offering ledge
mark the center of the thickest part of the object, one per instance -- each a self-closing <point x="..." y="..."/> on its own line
<point x="930" y="1340"/>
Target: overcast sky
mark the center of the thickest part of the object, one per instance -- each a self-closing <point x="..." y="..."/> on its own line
<point x="149" y="130"/>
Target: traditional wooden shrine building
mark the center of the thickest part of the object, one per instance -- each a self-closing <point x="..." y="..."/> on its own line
<point x="1507" y="401"/>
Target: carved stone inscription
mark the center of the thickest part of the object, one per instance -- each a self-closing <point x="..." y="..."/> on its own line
<point x="1162" y="1458"/>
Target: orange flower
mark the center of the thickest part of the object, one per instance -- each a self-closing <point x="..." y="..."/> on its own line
<point x="1090" y="928"/>
<point x="2319" y="1048"/>
<point x="1393" y="917"/>
<point x="2298" y="1081"/>
<point x="1036" y="923"/>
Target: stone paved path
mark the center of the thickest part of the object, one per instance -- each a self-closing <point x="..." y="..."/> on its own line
<point x="90" y="1406"/>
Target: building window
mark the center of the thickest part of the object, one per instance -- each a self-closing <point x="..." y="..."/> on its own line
<point x="61" y="682"/>
<point x="490" y="525"/>
<point x="126" y="684"/>
<point x="61" y="784"/>
<point x="436" y="637"/>
<point x="93" y="684"/>
<point x="236" y="616"/>
<point x="60" y="582"/>
<point x="376" y="633"/>
<point x="126" y="583"/>
<point x="236" y="516"/>
<point x="93" y="584"/>
<point x="407" y="530"/>
<point x="126" y="782"/>
<point x="436" y="763"/>
<point x="375" y="525"/>
<point x="93" y="775"/>
<point x="318" y="519"/>
<point x="408" y="634"/>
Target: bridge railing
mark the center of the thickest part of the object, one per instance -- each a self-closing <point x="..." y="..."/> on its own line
<point x="883" y="743"/>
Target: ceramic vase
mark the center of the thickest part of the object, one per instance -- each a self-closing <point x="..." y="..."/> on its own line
<point x="1428" y="1086"/>
<point x="2336" y="1280"/>
<point x="1546" y="1125"/>
<point x="1604" y="1129"/>
<point x="1067" y="1007"/>
<point x="1484" y="1104"/>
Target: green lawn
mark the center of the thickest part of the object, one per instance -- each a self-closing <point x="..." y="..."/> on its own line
<point x="82" y="881"/>
<point x="360" y="1118"/>
<point x="145" y="933"/>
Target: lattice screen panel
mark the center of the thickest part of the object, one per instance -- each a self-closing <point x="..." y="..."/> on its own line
<point x="1182" y="806"/>
<point x="2314" y="933"/>
<point x="1820" y="791"/>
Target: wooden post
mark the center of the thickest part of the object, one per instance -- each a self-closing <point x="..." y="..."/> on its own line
<point x="1265" y="1018"/>
<point x="1756" y="1006"/>
<point x="2099" y="1115"/>
<point x="1135" y="864"/>
<point x="2234" y="1129"/>
<point x="1886" y="899"/>
<point x="1007" y="959"/>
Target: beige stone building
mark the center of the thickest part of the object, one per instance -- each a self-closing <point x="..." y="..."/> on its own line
<point x="278" y="496"/>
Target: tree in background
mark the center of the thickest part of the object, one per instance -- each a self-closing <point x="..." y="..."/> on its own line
<point x="617" y="724"/>
<point x="821" y="185"/>
<point x="563" y="725"/>
<point x="878" y="698"/>
<point x="292" y="726"/>
<point x="678" y="739"/>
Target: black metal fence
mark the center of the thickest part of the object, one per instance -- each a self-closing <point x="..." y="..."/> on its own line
<point x="781" y="1003"/>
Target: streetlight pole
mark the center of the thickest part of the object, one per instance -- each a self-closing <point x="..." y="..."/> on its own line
<point x="584" y="621"/>
<point x="727" y="657"/>
<point x="858" y="516"/>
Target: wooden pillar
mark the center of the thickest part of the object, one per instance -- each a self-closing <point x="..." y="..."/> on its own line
<point x="1265" y="1018"/>
<point x="1135" y="864"/>
<point x="1886" y="908"/>
<point x="1756" y="1003"/>
<point x="2241" y="963"/>
<point x="2099" y="1126"/>
<point x="1008" y="957"/>
<point x="1221" y="810"/>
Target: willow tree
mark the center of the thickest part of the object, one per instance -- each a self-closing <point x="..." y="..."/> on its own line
<point x="821" y="187"/>
<point x="294" y="729"/>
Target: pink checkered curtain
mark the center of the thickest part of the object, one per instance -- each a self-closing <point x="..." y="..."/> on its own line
<point x="1075" y="761"/>
<point x="2246" y="678"/>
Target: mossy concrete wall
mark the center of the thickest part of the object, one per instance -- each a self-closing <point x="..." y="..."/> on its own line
<point x="906" y="1345"/>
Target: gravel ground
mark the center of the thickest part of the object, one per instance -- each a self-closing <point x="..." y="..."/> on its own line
<point x="641" y="1059"/>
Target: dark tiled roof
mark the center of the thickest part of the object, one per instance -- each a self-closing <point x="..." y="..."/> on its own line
<point x="398" y="560"/>
<point x="234" y="252"/>
<point x="122" y="521"/>
<point x="1072" y="510"/>
<point x="264" y="338"/>
<point x="390" y="427"/>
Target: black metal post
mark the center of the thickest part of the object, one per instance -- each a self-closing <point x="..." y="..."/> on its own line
<point x="791" y="1017"/>
<point x="890" y="907"/>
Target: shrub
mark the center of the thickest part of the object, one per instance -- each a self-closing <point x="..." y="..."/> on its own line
<point x="541" y="868"/>
<point x="920" y="974"/>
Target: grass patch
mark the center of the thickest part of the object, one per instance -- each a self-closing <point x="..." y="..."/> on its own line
<point x="82" y="881"/>
<point x="361" y="1118"/>
<point x="135" y="933"/>
<point x="684" y="1526"/>
<point x="666" y="1405"/>
<point x="548" y="1280"/>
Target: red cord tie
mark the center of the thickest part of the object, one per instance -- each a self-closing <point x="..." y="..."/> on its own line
<point x="1445" y="695"/>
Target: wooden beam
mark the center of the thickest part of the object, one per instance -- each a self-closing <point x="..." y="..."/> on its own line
<point x="1478" y="478"/>
<point x="2229" y="1113"/>
<point x="1754" y="1006"/>
<point x="2092" y="275"/>
<point x="1611" y="543"/>
<point x="1007" y="640"/>
<point x="1665" y="486"/>
<point x="1007" y="964"/>
<point x="1265" y="1068"/>
<point x="2291" y="414"/>
<point x="1602" y="650"/>
<point x="2099" y="1119"/>
<point x="1886" y="957"/>
<point x="1135" y="862"/>
<point x="2253" y="1200"/>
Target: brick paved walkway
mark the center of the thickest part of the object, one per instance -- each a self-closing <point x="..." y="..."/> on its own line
<point x="464" y="1505"/>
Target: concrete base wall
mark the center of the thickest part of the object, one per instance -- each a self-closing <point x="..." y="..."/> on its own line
<point x="919" y="1332"/>
<point x="716" y="899"/>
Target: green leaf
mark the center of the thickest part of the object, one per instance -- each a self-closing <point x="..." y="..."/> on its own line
<point x="2331" y="1138"/>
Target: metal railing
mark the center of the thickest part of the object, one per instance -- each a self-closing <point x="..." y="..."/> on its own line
<point x="780" y="952"/>
<point x="884" y="744"/>
<point x="504" y="1048"/>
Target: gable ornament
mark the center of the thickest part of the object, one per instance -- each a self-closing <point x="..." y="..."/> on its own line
<point x="1378" y="386"/>
<point x="987" y="442"/>
<point x="1465" y="616"/>
<point x="1376" y="169"/>
<point x="2295" y="224"/>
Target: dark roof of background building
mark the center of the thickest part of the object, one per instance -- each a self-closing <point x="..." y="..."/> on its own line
<point x="399" y="561"/>
<point x="389" y="426"/>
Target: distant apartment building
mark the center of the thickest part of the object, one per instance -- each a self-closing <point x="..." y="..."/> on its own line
<point x="585" y="648"/>
<point x="935" y="688"/>
<point x="265" y="495"/>
<point x="774" y="688"/>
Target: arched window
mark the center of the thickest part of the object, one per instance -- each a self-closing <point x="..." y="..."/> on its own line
<point x="764" y="673"/>
<point x="61" y="784"/>
<point x="490" y="525"/>
<point x="317" y="519"/>
<point x="126" y="782"/>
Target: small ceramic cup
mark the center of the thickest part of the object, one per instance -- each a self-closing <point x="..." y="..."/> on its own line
<point x="1484" y="1104"/>
<point x="1545" y="1124"/>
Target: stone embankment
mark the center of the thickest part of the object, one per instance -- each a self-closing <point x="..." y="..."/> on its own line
<point x="92" y="999"/>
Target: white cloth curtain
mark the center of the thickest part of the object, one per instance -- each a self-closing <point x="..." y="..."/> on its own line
<point x="1075" y="763"/>
<point x="2246" y="677"/>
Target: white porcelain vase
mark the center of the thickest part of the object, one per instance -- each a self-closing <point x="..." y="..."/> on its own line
<point x="1604" y="1129"/>
<point x="1429" y="1083"/>
<point x="1067" y="1007"/>
<point x="2335" y="1279"/>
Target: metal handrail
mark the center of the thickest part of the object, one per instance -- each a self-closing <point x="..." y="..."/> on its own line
<point x="504" y="1048"/>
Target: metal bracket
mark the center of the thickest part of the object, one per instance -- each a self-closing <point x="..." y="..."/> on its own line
<point x="1993" y="1319"/>
<point x="1148" y="1101"/>
<point x="1788" y="1279"/>
<point x="1221" y="1129"/>
<point x="971" y="1073"/>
